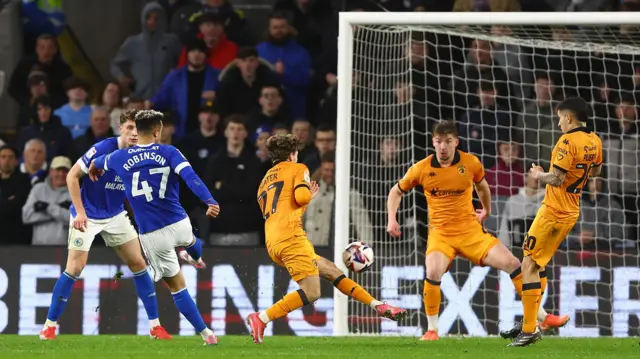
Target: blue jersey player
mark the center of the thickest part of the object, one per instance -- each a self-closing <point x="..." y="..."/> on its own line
<point x="150" y="174"/>
<point x="98" y="208"/>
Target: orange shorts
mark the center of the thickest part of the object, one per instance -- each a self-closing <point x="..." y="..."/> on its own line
<point x="473" y="246"/>
<point x="296" y="254"/>
<point x="544" y="238"/>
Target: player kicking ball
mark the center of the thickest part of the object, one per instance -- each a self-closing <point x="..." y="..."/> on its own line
<point x="150" y="174"/>
<point x="455" y="228"/>
<point x="98" y="208"/>
<point x="576" y="157"/>
<point x="284" y="193"/>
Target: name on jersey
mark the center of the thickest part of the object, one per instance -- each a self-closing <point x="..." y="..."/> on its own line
<point x="146" y="156"/>
<point x="269" y="178"/>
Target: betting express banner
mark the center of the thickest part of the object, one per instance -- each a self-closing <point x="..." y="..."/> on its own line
<point x="601" y="293"/>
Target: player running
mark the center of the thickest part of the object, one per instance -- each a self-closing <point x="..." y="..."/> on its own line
<point x="283" y="196"/>
<point x="149" y="172"/>
<point x="448" y="178"/>
<point x="98" y="208"/>
<point x="576" y="157"/>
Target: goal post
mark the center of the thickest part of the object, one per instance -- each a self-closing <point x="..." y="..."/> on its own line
<point x="378" y="139"/>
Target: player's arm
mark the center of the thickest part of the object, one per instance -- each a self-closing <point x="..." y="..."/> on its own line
<point x="182" y="168"/>
<point x="484" y="194"/>
<point x="560" y="164"/>
<point x="482" y="189"/>
<point x="73" y="183"/>
<point x="554" y="178"/>
<point x="597" y="166"/>
<point x="302" y="192"/>
<point x="406" y="184"/>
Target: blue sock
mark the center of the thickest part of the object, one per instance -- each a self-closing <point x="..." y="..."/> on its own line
<point x="195" y="250"/>
<point x="60" y="295"/>
<point x="187" y="307"/>
<point x="146" y="293"/>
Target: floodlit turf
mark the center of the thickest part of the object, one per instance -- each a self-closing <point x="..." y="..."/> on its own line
<point x="125" y="347"/>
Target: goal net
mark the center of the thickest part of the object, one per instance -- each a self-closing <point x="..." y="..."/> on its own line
<point x="400" y="74"/>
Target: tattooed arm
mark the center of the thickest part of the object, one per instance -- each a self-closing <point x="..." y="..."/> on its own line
<point x="554" y="178"/>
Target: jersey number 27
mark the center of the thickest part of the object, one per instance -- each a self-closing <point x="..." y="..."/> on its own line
<point x="262" y="199"/>
<point x="142" y="188"/>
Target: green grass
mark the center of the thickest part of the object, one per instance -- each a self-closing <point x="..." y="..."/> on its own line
<point x="125" y="347"/>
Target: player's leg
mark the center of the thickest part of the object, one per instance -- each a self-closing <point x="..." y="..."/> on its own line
<point x="330" y="272"/>
<point x="437" y="262"/>
<point x="192" y="253"/>
<point x="298" y="256"/>
<point x="79" y="244"/>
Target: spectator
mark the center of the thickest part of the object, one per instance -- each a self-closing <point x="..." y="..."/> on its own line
<point x="318" y="217"/>
<point x="601" y="224"/>
<point x="143" y="60"/>
<point x="99" y="129"/>
<point x="136" y="103"/>
<point x="260" y="139"/>
<point x="272" y="109"/>
<point x="14" y="189"/>
<point x="538" y="124"/>
<point x="291" y="62"/>
<point x="220" y="51"/>
<point x="325" y="142"/>
<point x="280" y="129"/>
<point x="186" y="89"/>
<point x="37" y="84"/>
<point x="75" y="115"/>
<point x="179" y="17"/>
<point x="47" y="59"/>
<point x="481" y="126"/>
<point x="34" y="163"/>
<point x="241" y="84"/>
<point x="168" y="131"/>
<point x="188" y="13"/>
<point x="604" y="105"/>
<point x="504" y="179"/>
<point x="466" y="80"/>
<point x="47" y="207"/>
<point x="302" y="130"/>
<point x="622" y="163"/>
<point x="49" y="129"/>
<point x="310" y="19"/>
<point x="516" y="63"/>
<point x="206" y="141"/>
<point x="519" y="212"/>
<point x="112" y="101"/>
<point x="229" y="175"/>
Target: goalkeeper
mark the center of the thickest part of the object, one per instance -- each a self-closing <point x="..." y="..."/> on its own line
<point x="448" y="178"/>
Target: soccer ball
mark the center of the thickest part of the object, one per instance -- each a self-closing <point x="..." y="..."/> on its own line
<point x="358" y="256"/>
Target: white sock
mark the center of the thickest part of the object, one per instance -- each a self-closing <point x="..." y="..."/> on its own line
<point x="206" y="333"/>
<point x="264" y="317"/>
<point x="154" y="323"/>
<point x="50" y="323"/>
<point x="433" y="322"/>
<point x="375" y="303"/>
<point x="542" y="314"/>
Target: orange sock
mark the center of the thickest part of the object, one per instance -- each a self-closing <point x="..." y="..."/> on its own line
<point x="531" y="294"/>
<point x="516" y="278"/>
<point x="288" y="304"/>
<point x="353" y="290"/>
<point x="431" y="296"/>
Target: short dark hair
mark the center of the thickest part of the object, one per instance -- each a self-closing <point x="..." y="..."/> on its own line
<point x="42" y="100"/>
<point x="577" y="106"/>
<point x="444" y="128"/>
<point x="128" y="115"/>
<point x="328" y="157"/>
<point x="279" y="15"/>
<point x="280" y="126"/>
<point x="544" y="75"/>
<point x="148" y="120"/>
<point x="134" y="99"/>
<point x="10" y="148"/>
<point x="325" y="127"/>
<point x="245" y="52"/>
<point x="235" y="118"/>
<point x="74" y="82"/>
<point x="281" y="146"/>
<point x="629" y="100"/>
<point x="486" y="85"/>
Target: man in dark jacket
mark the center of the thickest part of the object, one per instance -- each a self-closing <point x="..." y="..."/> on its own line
<point x="184" y="20"/>
<point x="14" y="190"/>
<point x="233" y="175"/>
<point x="100" y="129"/>
<point x="49" y="129"/>
<point x="47" y="60"/>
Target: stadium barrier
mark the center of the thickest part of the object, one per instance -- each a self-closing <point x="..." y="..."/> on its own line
<point x="602" y="301"/>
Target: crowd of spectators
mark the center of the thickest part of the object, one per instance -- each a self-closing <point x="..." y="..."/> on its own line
<point x="224" y="96"/>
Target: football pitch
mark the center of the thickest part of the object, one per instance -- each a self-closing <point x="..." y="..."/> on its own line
<point x="129" y="347"/>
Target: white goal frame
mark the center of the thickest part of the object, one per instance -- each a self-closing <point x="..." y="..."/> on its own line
<point x="345" y="65"/>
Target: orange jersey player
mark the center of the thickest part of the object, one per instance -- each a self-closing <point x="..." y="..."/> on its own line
<point x="448" y="178"/>
<point x="577" y="155"/>
<point x="283" y="196"/>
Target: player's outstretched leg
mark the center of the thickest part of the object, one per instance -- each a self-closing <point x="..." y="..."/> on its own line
<point x="437" y="264"/>
<point x="187" y="307"/>
<point x="308" y="293"/>
<point x="131" y="255"/>
<point x="329" y="271"/>
<point x="76" y="261"/>
<point x="192" y="254"/>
